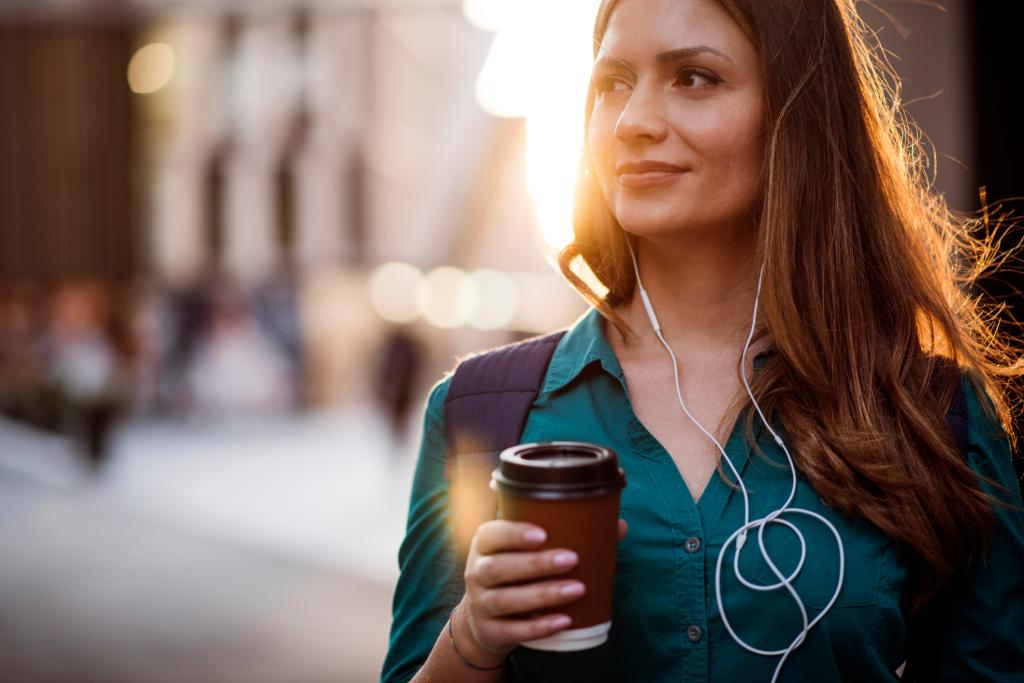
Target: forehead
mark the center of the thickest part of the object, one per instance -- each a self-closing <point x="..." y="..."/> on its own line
<point x="643" y="28"/>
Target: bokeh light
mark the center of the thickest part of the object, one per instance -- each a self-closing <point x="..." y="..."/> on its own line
<point x="151" y="68"/>
<point x="394" y="289"/>
<point x="443" y="299"/>
<point x="496" y="297"/>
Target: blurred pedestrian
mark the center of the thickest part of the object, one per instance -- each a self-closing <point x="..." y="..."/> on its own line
<point x="399" y="362"/>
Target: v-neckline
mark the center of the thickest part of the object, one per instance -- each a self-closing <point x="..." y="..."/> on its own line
<point x="716" y="493"/>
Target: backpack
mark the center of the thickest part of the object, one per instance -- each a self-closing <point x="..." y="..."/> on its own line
<point x="489" y="399"/>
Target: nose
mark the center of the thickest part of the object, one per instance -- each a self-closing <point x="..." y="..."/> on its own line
<point x="641" y="118"/>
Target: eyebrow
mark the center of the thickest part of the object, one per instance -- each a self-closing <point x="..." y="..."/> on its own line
<point x="664" y="57"/>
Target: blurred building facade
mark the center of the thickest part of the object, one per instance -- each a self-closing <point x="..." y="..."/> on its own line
<point x="176" y="155"/>
<point x="225" y="177"/>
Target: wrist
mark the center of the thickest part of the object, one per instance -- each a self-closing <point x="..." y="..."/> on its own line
<point x="468" y="645"/>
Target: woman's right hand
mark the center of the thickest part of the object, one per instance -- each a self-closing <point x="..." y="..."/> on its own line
<point x="502" y="553"/>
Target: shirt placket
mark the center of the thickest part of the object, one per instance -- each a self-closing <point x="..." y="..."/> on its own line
<point x="689" y="579"/>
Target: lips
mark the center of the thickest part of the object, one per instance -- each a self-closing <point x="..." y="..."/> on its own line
<point x="647" y="166"/>
<point x="647" y="173"/>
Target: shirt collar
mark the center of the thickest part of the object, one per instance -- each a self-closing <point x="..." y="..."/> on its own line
<point x="585" y="343"/>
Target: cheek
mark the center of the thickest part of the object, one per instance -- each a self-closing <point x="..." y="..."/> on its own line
<point x="730" y="147"/>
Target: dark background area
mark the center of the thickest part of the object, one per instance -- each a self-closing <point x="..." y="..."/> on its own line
<point x="999" y="139"/>
<point x="997" y="66"/>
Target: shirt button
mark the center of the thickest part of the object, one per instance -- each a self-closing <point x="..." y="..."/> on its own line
<point x="692" y="544"/>
<point x="694" y="633"/>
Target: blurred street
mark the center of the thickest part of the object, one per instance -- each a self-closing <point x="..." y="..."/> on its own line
<point x="248" y="550"/>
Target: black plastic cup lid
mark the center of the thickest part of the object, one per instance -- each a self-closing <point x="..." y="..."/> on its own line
<point x="558" y="469"/>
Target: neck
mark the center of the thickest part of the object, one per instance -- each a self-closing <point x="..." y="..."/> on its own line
<point x="703" y="294"/>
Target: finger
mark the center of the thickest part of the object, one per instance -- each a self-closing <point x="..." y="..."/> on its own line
<point x="623" y="529"/>
<point x="514" y="631"/>
<point x="498" y="602"/>
<point x="500" y="534"/>
<point x="501" y="568"/>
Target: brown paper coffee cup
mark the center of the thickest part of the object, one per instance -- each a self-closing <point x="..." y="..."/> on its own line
<point x="571" y="490"/>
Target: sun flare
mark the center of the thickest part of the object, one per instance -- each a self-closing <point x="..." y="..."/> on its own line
<point x="538" y="68"/>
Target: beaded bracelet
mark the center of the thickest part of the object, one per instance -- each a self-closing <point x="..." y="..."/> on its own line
<point x="471" y="665"/>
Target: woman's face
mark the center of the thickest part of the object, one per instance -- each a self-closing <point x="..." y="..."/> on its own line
<point x="676" y="129"/>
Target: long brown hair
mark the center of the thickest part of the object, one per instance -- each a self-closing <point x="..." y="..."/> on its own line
<point x="867" y="274"/>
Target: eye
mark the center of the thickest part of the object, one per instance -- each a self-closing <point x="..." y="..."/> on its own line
<point x="605" y="84"/>
<point x="696" y="78"/>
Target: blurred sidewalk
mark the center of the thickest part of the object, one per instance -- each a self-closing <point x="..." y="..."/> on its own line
<point x="248" y="550"/>
<point x="329" y="489"/>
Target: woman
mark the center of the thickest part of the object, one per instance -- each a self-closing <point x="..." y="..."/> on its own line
<point x="746" y="152"/>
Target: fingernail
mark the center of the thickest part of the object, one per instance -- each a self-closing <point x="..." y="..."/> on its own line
<point x="564" y="558"/>
<point x="571" y="590"/>
<point x="534" y="535"/>
<point x="561" y="621"/>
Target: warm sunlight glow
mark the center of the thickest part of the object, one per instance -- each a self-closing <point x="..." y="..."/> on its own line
<point x="583" y="271"/>
<point x="538" y="68"/>
<point x="488" y="15"/>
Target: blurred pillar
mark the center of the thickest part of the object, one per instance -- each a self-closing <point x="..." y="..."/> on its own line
<point x="190" y="110"/>
<point x="179" y="247"/>
<point x="336" y="82"/>
<point x="263" y="105"/>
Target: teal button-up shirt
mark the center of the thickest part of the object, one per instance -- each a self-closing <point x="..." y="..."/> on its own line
<point x="666" y="624"/>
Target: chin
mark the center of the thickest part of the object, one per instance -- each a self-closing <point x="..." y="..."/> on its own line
<point x="657" y="222"/>
<point x="679" y="222"/>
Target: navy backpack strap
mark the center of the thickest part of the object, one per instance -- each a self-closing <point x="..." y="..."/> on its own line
<point x="488" y="400"/>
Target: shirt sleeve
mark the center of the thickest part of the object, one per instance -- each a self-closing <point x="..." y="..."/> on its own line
<point x="429" y="585"/>
<point x="984" y="620"/>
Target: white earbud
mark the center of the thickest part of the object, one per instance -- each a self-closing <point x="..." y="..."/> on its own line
<point x="739" y="536"/>
<point x="650" y="310"/>
<point x="643" y="293"/>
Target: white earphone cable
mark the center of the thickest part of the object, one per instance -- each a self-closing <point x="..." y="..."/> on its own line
<point x="739" y="536"/>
